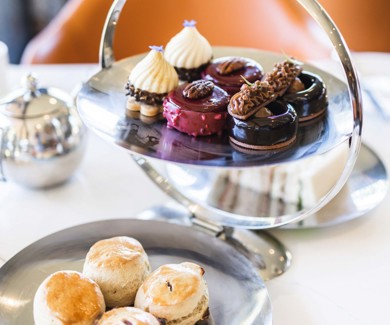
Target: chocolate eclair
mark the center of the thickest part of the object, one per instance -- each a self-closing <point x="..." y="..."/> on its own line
<point x="258" y="121"/>
<point x="197" y="108"/>
<point x="283" y="75"/>
<point x="230" y="73"/>
<point x="307" y="94"/>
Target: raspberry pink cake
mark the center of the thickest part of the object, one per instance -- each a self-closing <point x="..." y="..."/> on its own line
<point x="198" y="108"/>
<point x="230" y="73"/>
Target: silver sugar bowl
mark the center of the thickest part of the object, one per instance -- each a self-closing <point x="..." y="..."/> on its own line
<point x="42" y="139"/>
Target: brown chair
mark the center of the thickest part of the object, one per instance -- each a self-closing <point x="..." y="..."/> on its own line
<point x="74" y="34"/>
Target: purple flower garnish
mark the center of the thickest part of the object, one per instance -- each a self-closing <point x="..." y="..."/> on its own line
<point x="189" y="23"/>
<point x="157" y="48"/>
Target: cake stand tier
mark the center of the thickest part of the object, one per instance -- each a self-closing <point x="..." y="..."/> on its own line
<point x="228" y="273"/>
<point x="102" y="105"/>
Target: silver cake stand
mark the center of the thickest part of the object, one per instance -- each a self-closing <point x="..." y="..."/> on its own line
<point x="102" y="105"/>
<point x="197" y="223"/>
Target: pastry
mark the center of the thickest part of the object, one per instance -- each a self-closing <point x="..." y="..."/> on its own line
<point x="68" y="297"/>
<point x="258" y="121"/>
<point x="189" y="52"/>
<point x="118" y="265"/>
<point x="129" y="316"/>
<point x="149" y="82"/>
<point x="283" y="75"/>
<point x="198" y="108"/>
<point x="307" y="94"/>
<point x="230" y="73"/>
<point x="176" y="292"/>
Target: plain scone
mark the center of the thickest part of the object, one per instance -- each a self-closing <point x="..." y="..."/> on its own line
<point x="118" y="265"/>
<point x="68" y="297"/>
<point x="177" y="293"/>
<point x="128" y="315"/>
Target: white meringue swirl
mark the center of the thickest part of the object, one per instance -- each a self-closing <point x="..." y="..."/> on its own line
<point x="188" y="49"/>
<point x="154" y="74"/>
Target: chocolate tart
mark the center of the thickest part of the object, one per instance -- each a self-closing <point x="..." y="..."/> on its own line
<point x="260" y="132"/>
<point x="311" y="102"/>
<point x="228" y="72"/>
<point x="198" y="108"/>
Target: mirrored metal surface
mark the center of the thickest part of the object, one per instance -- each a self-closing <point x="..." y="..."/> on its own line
<point x="102" y="104"/>
<point x="237" y="292"/>
<point x="365" y="189"/>
<point x="267" y="253"/>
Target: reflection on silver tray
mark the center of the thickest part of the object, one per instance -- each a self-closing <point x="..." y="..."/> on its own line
<point x="217" y="189"/>
<point x="102" y="105"/>
<point x="237" y="293"/>
<point x="365" y="189"/>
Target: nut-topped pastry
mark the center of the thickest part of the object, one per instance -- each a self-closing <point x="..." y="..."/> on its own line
<point x="283" y="75"/>
<point x="149" y="82"/>
<point x="250" y="99"/>
<point x="197" y="108"/>
<point x="307" y="94"/>
<point x="175" y="292"/>
<point x="259" y="122"/>
<point x="189" y="52"/>
<point x="230" y="73"/>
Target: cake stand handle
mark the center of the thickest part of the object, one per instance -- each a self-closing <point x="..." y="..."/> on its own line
<point x="106" y="52"/>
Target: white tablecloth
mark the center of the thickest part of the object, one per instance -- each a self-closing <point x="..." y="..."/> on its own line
<point x="339" y="275"/>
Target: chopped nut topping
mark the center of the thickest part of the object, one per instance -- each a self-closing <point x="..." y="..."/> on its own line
<point x="250" y="99"/>
<point x="229" y="66"/>
<point x="283" y="74"/>
<point x="198" y="89"/>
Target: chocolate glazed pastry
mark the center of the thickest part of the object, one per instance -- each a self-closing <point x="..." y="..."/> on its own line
<point x="272" y="127"/>
<point x="308" y="96"/>
<point x="228" y="73"/>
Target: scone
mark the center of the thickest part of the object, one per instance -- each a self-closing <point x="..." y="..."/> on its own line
<point x="149" y="82"/>
<point x="176" y="292"/>
<point x="118" y="265"/>
<point x="68" y="297"/>
<point x="198" y="108"/>
<point x="189" y="52"/>
<point x="129" y="316"/>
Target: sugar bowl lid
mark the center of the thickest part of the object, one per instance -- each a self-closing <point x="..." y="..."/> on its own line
<point x="31" y="101"/>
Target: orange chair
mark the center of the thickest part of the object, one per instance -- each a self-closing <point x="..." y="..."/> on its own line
<point x="74" y="34"/>
<point x="365" y="25"/>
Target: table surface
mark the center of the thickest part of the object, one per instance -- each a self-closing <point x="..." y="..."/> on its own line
<point x="339" y="275"/>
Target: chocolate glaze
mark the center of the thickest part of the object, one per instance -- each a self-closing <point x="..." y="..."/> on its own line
<point x="196" y="117"/>
<point x="310" y="102"/>
<point x="191" y="74"/>
<point x="232" y="83"/>
<point x="277" y="130"/>
<point x="144" y="96"/>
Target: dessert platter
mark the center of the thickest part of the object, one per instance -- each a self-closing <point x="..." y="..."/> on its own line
<point x="197" y="114"/>
<point x="227" y="272"/>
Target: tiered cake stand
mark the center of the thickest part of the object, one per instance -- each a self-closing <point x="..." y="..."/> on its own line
<point x="233" y="247"/>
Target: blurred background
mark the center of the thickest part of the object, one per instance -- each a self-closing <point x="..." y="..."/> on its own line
<point x="364" y="24"/>
<point x="21" y="20"/>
